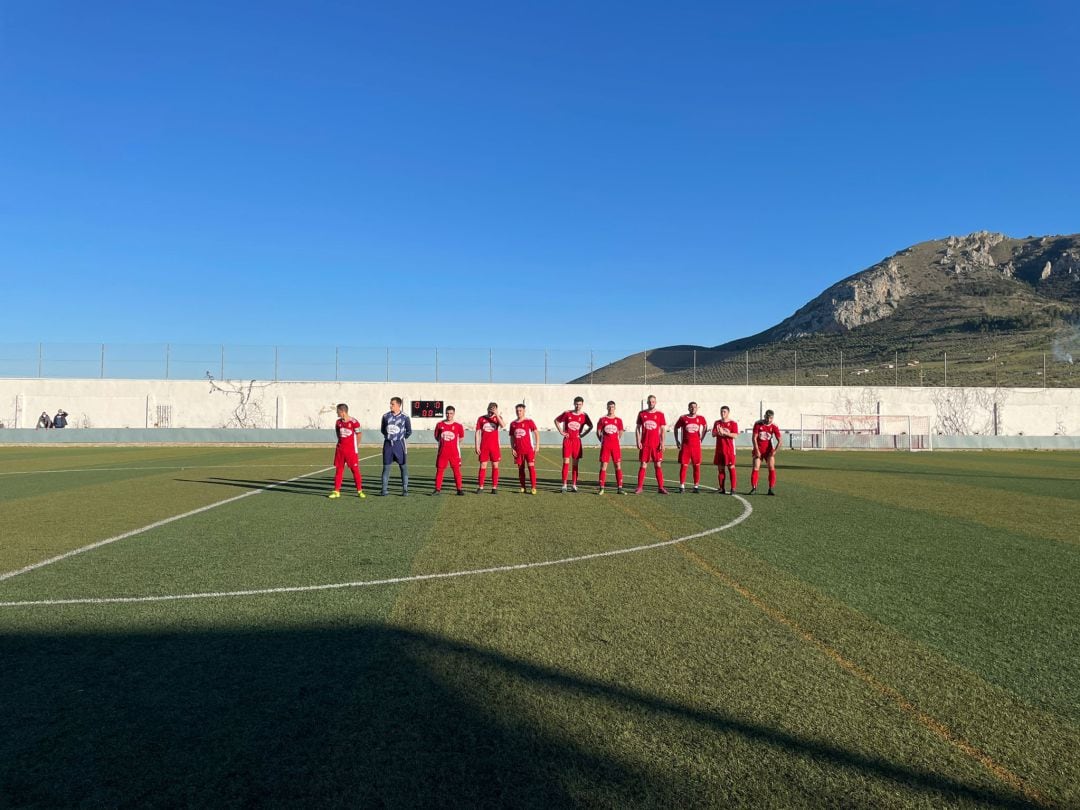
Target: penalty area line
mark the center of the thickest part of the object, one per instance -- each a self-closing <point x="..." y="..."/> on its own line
<point x="496" y="569"/>
<point x="155" y="525"/>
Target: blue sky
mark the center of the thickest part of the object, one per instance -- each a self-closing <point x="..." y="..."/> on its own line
<point x="534" y="175"/>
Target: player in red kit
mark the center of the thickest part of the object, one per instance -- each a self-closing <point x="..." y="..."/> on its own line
<point x="449" y="434"/>
<point x="726" y="431"/>
<point x="610" y="430"/>
<point x="688" y="430"/>
<point x="651" y="425"/>
<point x="487" y="446"/>
<point x="574" y="426"/>
<point x="347" y="431"/>
<point x="766" y="443"/>
<point x="525" y="444"/>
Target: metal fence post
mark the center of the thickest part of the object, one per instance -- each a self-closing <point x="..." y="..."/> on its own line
<point x="545" y="366"/>
<point x="796" y="366"/>
<point x="167" y="351"/>
<point x="337" y="362"/>
<point x="436" y="364"/>
<point x="275" y="364"/>
<point x="40" y="357"/>
<point x="222" y="361"/>
<point x="491" y="367"/>
<point x="103" y="361"/>
<point x="388" y="364"/>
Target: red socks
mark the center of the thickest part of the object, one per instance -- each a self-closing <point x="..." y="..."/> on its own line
<point x="659" y="476"/>
<point x="482" y="475"/>
<point x="641" y="478"/>
<point x="753" y="478"/>
<point x="494" y="478"/>
<point x="772" y="478"/>
<point x="565" y="472"/>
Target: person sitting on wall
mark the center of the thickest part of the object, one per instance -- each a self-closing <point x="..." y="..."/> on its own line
<point x="60" y="420"/>
<point x="44" y="421"/>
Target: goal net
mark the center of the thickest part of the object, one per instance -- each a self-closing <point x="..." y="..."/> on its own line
<point x="863" y="432"/>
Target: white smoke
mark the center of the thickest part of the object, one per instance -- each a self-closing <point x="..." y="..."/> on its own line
<point x="1066" y="344"/>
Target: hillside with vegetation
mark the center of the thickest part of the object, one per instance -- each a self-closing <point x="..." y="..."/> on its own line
<point x="982" y="309"/>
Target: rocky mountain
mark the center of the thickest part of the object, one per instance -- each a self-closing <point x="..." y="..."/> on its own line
<point x="980" y="297"/>
<point x="1038" y="274"/>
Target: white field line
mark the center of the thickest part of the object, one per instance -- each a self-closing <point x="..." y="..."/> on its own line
<point x="83" y="549"/>
<point x="170" y="467"/>
<point x="497" y="569"/>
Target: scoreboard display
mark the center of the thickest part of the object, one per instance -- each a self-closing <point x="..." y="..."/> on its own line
<point x="427" y="408"/>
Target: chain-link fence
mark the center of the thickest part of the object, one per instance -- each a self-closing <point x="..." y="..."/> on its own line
<point x="928" y="365"/>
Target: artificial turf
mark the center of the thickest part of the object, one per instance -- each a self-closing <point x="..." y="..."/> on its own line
<point x="894" y="630"/>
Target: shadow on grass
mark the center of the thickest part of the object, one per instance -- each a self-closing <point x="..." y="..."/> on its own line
<point x="371" y="716"/>
<point x="419" y="484"/>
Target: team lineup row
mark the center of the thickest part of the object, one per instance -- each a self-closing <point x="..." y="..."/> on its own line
<point x="573" y="425"/>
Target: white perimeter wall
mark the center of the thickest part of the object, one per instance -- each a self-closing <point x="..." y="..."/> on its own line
<point x="196" y="404"/>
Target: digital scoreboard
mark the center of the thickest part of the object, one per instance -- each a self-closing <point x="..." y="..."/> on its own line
<point x="427" y="409"/>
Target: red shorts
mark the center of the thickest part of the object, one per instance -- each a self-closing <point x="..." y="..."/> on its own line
<point x="525" y="457"/>
<point x="610" y="452"/>
<point x="765" y="450"/>
<point x="571" y="446"/>
<point x="724" y="456"/>
<point x="651" y="453"/>
<point x="690" y="454"/>
<point x="490" y="453"/>
<point x="442" y="462"/>
<point x="345" y="456"/>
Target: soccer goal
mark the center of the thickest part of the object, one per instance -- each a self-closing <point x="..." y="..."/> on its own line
<point x="873" y="431"/>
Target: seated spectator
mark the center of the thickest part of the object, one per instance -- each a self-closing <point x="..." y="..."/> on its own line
<point x="44" y="421"/>
<point x="60" y="420"/>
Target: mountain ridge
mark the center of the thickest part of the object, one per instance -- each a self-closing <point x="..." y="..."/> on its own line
<point x="977" y="295"/>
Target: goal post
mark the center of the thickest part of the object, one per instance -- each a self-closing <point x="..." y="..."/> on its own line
<point x="872" y="431"/>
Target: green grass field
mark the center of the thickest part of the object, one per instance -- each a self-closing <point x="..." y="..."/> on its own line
<point x="894" y="630"/>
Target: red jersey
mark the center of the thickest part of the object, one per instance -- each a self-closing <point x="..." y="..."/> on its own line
<point x="573" y="423"/>
<point x="521" y="435"/>
<point x="348" y="433"/>
<point x="725" y="441"/>
<point x="725" y="445"/>
<point x="488" y="428"/>
<point x="651" y="423"/>
<point x="449" y="436"/>
<point x="764" y="432"/>
<point x="693" y="428"/>
<point x="609" y="428"/>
